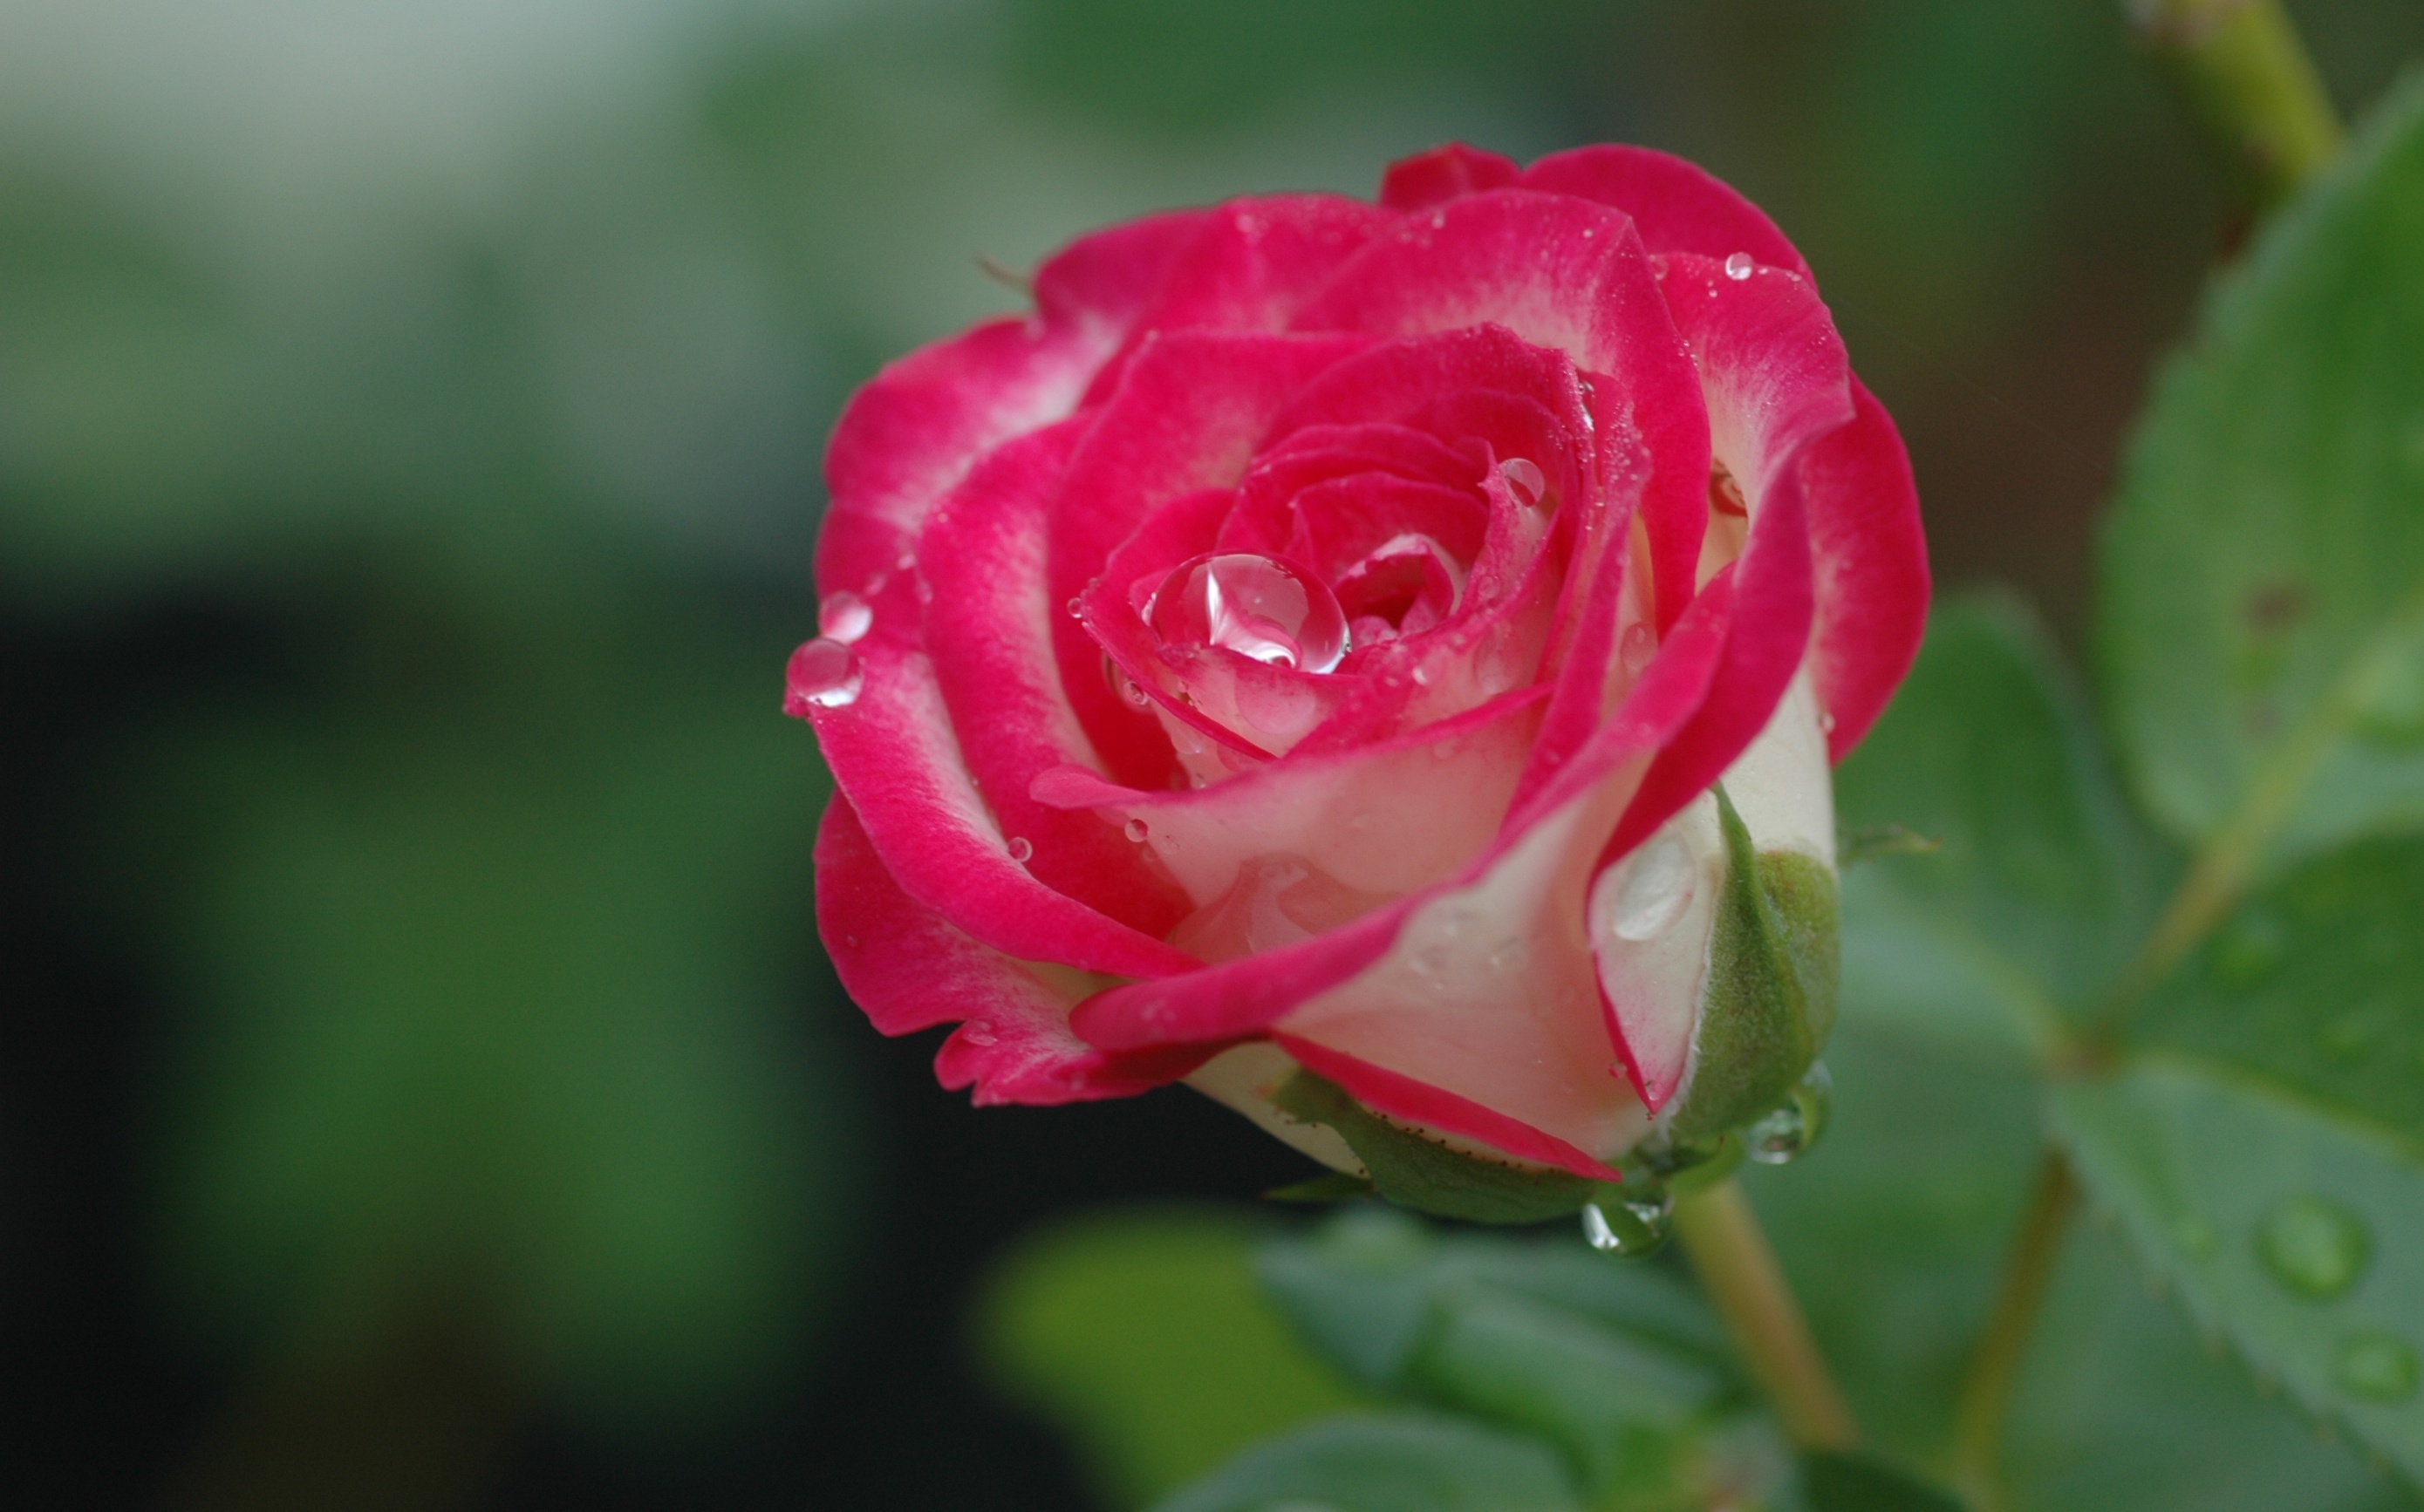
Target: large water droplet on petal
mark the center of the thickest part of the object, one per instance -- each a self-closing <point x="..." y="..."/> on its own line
<point x="1656" y="889"/>
<point x="844" y="617"/>
<point x="1739" y="267"/>
<point x="1634" y="1225"/>
<point x="1524" y="477"/>
<point x="2313" y="1246"/>
<point x="824" y="674"/>
<point x="2377" y="1366"/>
<point x="1786" y="1132"/>
<point x="1263" y="607"/>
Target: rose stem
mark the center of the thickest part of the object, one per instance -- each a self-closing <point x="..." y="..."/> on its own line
<point x="1738" y="1270"/>
<point x="2250" y="86"/>
<point x="1986" y="1390"/>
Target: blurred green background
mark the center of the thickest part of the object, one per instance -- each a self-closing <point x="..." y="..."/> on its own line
<point x="421" y="1085"/>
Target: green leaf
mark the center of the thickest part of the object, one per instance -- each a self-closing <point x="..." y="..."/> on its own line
<point x="2040" y="884"/>
<point x="1893" y="1234"/>
<point x="2263" y="629"/>
<point x="1859" y="1483"/>
<point x="1365" y="1287"/>
<point x="1428" y="1176"/>
<point x="1616" y="1363"/>
<point x="2264" y="1140"/>
<point x="1141" y="1335"/>
<point x="1398" y="1462"/>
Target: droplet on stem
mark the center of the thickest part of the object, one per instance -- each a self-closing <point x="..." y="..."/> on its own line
<point x="1636" y="1225"/>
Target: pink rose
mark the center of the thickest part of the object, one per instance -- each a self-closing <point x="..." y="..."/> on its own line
<point x="1314" y="637"/>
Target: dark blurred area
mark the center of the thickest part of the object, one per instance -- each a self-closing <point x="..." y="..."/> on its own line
<point x="421" y="1085"/>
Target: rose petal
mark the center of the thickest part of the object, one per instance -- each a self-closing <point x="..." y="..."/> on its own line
<point x="988" y="630"/>
<point x="1678" y="206"/>
<point x="1872" y="564"/>
<point x="1418" y="1102"/>
<point x="910" y="970"/>
<point x="1442" y="174"/>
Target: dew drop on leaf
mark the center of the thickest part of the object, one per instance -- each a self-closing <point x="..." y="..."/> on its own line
<point x="2377" y="1366"/>
<point x="2313" y="1246"/>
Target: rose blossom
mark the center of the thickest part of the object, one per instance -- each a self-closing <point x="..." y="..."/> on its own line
<point x="1343" y="636"/>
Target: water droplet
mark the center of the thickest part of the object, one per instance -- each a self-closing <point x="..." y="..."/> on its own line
<point x="1786" y="1132"/>
<point x="1639" y="645"/>
<point x="1021" y="848"/>
<point x="1825" y="722"/>
<point x="1668" y="1155"/>
<point x="1738" y="266"/>
<point x="1633" y="1225"/>
<point x="977" y="1032"/>
<point x="1509" y="958"/>
<point x="2313" y="1246"/>
<point x="1077" y="608"/>
<point x="1524" y="476"/>
<point x="822" y="675"/>
<point x="1656" y="889"/>
<point x="2377" y="1366"/>
<point x="1137" y="829"/>
<point x="844" y="617"/>
<point x="1263" y="607"/>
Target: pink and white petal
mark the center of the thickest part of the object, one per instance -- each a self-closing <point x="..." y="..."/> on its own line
<point x="1767" y="634"/>
<point x="1383" y="820"/>
<point x="1443" y="174"/>
<point x="895" y="753"/>
<point x="1191" y="411"/>
<point x="1770" y="363"/>
<point x="1872" y="565"/>
<point x="909" y="968"/>
<point x="1678" y="206"/>
<point x="909" y="434"/>
<point x="1242" y="1000"/>
<point x="1434" y="1109"/>
<point x="988" y="631"/>
<point x="1486" y="995"/>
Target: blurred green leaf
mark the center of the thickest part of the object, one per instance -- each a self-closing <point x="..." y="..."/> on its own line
<point x="1615" y="1361"/>
<point x="2263" y="630"/>
<point x="1858" y="1483"/>
<point x="2264" y="1140"/>
<point x="489" y="1015"/>
<point x="1400" y="1462"/>
<point x="1141" y="1335"/>
<point x="2041" y="882"/>
<point x="1893" y="1233"/>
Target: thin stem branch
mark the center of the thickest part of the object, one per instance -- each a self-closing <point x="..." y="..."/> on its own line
<point x="1987" y="1392"/>
<point x="1738" y="1270"/>
<point x="2251" y="86"/>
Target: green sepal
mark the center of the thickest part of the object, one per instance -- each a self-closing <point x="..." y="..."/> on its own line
<point x="1774" y="964"/>
<point x="1429" y="1177"/>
